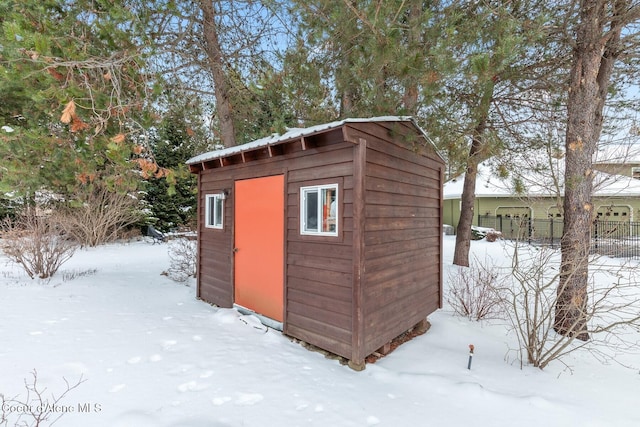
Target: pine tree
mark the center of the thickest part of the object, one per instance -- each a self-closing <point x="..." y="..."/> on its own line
<point x="75" y="92"/>
<point x="466" y="70"/>
<point x="171" y="200"/>
<point x="219" y="51"/>
<point x="365" y="58"/>
<point x="605" y="33"/>
<point x="500" y="70"/>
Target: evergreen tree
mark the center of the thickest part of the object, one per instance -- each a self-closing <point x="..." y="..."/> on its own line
<point x="373" y="58"/>
<point x="606" y="32"/>
<point x="469" y="71"/>
<point x="76" y="94"/>
<point x="267" y="107"/>
<point x="499" y="56"/>
<point x="222" y="52"/>
<point x="172" y="200"/>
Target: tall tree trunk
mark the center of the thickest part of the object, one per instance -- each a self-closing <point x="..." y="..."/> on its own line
<point x="477" y="153"/>
<point x="221" y="84"/>
<point x="594" y="55"/>
<point x="468" y="199"/>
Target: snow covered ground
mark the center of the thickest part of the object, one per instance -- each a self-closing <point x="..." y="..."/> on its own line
<point x="150" y="354"/>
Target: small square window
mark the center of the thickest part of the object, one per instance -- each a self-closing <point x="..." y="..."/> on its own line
<point x="214" y="211"/>
<point x="635" y="172"/>
<point x="319" y="210"/>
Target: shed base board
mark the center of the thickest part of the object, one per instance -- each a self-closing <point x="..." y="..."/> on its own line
<point x="273" y="324"/>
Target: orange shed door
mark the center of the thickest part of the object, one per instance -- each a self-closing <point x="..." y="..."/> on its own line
<point x="259" y="245"/>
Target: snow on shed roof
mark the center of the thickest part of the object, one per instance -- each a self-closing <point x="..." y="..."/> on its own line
<point x="294" y="133"/>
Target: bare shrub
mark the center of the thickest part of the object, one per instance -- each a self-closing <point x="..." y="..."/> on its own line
<point x="100" y="216"/>
<point x="182" y="259"/>
<point x="473" y="291"/>
<point x="36" y="409"/>
<point x="611" y="310"/>
<point x="530" y="301"/>
<point x="35" y="243"/>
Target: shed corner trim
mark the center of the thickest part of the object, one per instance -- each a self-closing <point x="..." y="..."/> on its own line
<point x="346" y="135"/>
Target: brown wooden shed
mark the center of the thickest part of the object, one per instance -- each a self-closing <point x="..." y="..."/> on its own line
<point x="334" y="231"/>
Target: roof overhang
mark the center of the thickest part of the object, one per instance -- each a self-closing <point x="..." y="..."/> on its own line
<point x="268" y="146"/>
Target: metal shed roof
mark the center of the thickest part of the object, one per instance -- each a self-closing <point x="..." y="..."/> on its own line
<point x="296" y="133"/>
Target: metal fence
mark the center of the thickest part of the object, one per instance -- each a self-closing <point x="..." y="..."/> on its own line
<point x="611" y="238"/>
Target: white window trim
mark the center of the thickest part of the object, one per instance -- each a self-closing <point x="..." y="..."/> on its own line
<point x="211" y="222"/>
<point x="318" y="188"/>
<point x="635" y="171"/>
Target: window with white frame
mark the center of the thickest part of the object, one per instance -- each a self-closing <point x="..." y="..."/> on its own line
<point x="319" y="210"/>
<point x="635" y="172"/>
<point x="214" y="210"/>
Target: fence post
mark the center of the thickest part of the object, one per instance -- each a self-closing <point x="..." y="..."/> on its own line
<point x="634" y="238"/>
<point x="621" y="238"/>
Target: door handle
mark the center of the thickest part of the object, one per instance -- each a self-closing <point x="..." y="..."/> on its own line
<point x="235" y="250"/>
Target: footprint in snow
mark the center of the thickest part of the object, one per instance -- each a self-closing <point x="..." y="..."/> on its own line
<point x="248" y="399"/>
<point x="35" y="333"/>
<point x="196" y="338"/>
<point x="155" y="358"/>
<point x="371" y="420"/>
<point x="168" y="344"/>
<point x="206" y="374"/>
<point x="220" y="400"/>
<point x="134" y="360"/>
<point x="304" y="405"/>
<point x="181" y="369"/>
<point x="192" y="386"/>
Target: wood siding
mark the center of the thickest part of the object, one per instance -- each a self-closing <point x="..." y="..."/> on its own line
<point x="352" y="293"/>
<point x="215" y="247"/>
<point x="401" y="280"/>
<point x="317" y="268"/>
<point x="319" y="275"/>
